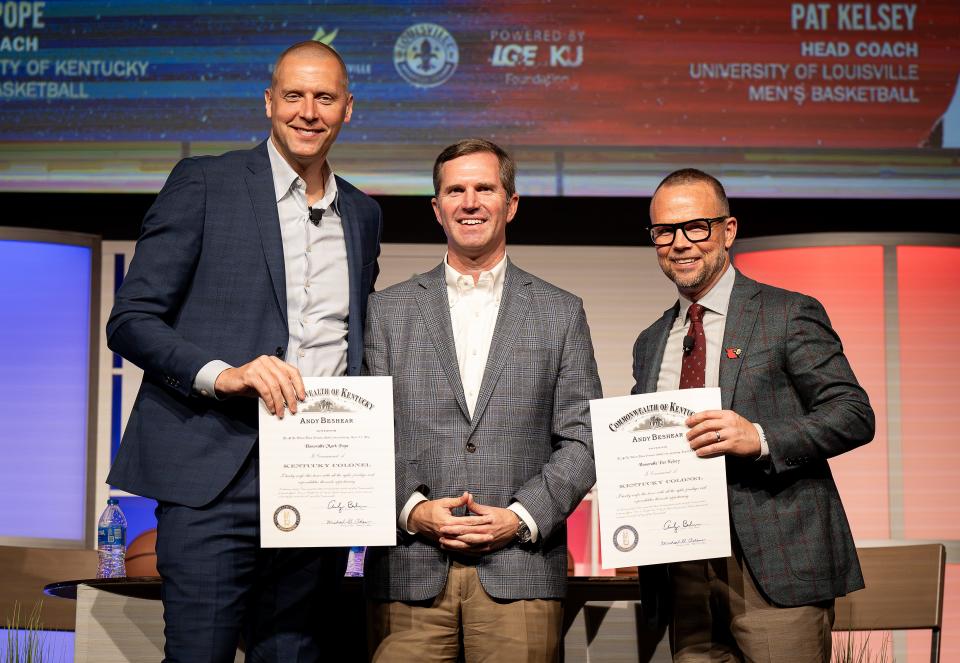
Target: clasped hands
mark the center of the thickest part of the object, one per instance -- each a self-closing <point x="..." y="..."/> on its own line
<point x="721" y="433"/>
<point x="489" y="528"/>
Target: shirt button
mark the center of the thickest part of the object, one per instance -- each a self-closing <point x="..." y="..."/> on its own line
<point x="301" y="353"/>
<point x="307" y="284"/>
<point x="471" y="447"/>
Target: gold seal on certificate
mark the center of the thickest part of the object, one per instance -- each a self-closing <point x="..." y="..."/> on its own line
<point x="659" y="502"/>
<point x="327" y="472"/>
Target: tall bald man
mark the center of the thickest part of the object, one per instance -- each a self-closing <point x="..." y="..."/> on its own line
<point x="790" y="402"/>
<point x="252" y="270"/>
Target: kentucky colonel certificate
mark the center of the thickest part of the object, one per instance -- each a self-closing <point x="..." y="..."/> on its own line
<point x="659" y="502"/>
<point x="327" y="472"/>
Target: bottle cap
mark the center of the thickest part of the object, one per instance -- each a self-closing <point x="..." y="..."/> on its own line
<point x="112" y="500"/>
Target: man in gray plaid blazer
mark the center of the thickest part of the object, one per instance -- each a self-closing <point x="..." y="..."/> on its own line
<point x="790" y="401"/>
<point x="493" y="369"/>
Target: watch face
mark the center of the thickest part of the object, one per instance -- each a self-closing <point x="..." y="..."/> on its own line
<point x="523" y="533"/>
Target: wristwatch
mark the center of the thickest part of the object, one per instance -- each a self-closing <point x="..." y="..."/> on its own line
<point x="523" y="532"/>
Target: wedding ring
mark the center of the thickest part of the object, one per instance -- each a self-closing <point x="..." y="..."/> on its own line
<point x="718" y="436"/>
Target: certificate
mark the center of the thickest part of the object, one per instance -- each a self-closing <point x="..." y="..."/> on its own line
<point x="327" y="472"/>
<point x="659" y="502"/>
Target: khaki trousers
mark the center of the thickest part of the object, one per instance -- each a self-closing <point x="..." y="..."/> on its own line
<point x="464" y="615"/>
<point x="720" y="615"/>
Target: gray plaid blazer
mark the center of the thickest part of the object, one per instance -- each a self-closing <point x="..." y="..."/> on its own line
<point x="794" y="380"/>
<point x="529" y="439"/>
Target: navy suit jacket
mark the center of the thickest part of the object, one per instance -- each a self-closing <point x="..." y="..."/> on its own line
<point x="793" y="379"/>
<point x="207" y="282"/>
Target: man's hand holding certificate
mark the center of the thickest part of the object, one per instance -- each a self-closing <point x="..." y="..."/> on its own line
<point x="659" y="501"/>
<point x="327" y="472"/>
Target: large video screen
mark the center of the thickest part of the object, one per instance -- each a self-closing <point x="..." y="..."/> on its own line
<point x="846" y="99"/>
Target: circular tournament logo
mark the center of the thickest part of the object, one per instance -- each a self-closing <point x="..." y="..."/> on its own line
<point x="625" y="538"/>
<point x="426" y="55"/>
<point x="286" y="518"/>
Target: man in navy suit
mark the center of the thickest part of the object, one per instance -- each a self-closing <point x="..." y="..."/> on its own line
<point x="252" y="270"/>
<point x="790" y="401"/>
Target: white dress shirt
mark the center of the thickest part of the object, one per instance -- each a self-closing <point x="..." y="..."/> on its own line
<point x="474" y="307"/>
<point x="315" y="264"/>
<point x="317" y="282"/>
<point x="716" y="303"/>
<point x="473" y="316"/>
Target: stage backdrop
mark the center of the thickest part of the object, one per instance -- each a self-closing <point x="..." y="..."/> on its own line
<point x="822" y="99"/>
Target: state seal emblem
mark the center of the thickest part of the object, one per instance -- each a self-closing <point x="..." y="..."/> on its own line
<point x="625" y="538"/>
<point x="286" y="518"/>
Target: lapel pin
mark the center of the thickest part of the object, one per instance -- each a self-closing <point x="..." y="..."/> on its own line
<point x="733" y="353"/>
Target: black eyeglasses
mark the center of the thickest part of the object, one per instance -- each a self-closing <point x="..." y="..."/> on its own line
<point x="695" y="230"/>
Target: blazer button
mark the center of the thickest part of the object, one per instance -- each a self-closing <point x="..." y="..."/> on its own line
<point x="278" y="352"/>
<point x="471" y="447"/>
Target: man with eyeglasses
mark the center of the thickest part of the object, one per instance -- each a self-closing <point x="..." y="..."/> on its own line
<point x="790" y="401"/>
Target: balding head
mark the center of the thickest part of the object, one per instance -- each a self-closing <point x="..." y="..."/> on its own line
<point x="307" y="103"/>
<point x="308" y="49"/>
<point x="687" y="176"/>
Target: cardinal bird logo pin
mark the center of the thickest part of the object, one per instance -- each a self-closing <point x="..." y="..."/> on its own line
<point x="733" y="353"/>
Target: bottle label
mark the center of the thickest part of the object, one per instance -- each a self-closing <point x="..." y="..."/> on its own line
<point x="111" y="536"/>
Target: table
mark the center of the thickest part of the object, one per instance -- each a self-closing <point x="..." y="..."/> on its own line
<point x="121" y="619"/>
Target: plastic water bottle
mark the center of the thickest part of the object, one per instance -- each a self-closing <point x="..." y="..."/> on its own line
<point x="355" y="562"/>
<point x="112" y="542"/>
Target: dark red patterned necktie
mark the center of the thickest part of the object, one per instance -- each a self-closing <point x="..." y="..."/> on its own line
<point x="693" y="368"/>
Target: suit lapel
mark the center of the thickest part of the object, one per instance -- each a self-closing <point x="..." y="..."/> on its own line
<point x="514" y="305"/>
<point x="653" y="352"/>
<point x="435" y="309"/>
<point x="351" y="234"/>
<point x="263" y="199"/>
<point x="741" y="320"/>
<point x="351" y="237"/>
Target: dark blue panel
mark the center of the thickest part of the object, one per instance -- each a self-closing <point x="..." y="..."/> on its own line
<point x="119" y="261"/>
<point x="116" y="419"/>
<point x="139" y="513"/>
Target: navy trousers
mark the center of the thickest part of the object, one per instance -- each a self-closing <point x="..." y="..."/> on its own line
<point x="219" y="585"/>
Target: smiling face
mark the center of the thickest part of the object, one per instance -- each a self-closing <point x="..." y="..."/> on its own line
<point x="474" y="209"/>
<point x="693" y="266"/>
<point x="307" y="103"/>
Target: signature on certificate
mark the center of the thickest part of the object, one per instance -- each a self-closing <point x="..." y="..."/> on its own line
<point x="340" y="507"/>
<point x="675" y="526"/>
